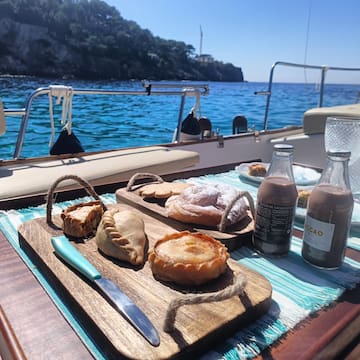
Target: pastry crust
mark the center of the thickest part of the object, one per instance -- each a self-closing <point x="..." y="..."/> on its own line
<point x="162" y="190"/>
<point x="303" y="197"/>
<point x="121" y="235"/>
<point x="257" y="170"/>
<point x="204" y="204"/>
<point x="188" y="258"/>
<point x="81" y="220"/>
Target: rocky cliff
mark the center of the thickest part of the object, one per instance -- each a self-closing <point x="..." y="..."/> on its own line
<point x="90" y="40"/>
<point x="29" y="50"/>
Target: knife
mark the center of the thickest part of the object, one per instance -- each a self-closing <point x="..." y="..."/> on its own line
<point x="112" y="292"/>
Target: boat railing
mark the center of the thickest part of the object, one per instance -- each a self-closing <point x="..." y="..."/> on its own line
<point x="163" y="89"/>
<point x="323" y="68"/>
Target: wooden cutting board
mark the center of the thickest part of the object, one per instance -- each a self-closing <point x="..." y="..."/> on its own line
<point x="197" y="327"/>
<point x="233" y="237"/>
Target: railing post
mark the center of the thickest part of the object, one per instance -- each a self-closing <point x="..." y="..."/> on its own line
<point x="323" y="68"/>
<point x="268" y="96"/>
<point x="181" y="112"/>
<point x="24" y="123"/>
<point x="322" y="82"/>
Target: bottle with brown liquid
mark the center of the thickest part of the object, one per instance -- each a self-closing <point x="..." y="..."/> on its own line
<point x="328" y="217"/>
<point x="276" y="205"/>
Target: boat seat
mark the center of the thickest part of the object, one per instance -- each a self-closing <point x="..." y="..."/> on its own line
<point x="314" y="119"/>
<point x="205" y="127"/>
<point x="34" y="178"/>
<point x="240" y="124"/>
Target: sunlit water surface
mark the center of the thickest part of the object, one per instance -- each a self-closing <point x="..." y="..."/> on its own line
<point x="108" y="122"/>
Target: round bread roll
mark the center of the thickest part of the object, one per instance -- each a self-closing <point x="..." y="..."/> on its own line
<point x="204" y="204"/>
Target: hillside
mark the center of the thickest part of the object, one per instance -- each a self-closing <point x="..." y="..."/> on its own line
<point x="88" y="39"/>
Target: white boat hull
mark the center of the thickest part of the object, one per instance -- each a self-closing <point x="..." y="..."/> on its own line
<point x="33" y="177"/>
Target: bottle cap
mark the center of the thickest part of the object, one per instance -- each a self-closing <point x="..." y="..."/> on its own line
<point x="341" y="154"/>
<point x="283" y="147"/>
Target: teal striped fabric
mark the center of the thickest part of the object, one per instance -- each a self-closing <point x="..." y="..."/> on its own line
<point x="232" y="178"/>
<point x="9" y="223"/>
<point x="298" y="288"/>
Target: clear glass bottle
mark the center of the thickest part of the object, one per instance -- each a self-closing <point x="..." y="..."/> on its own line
<point x="329" y="212"/>
<point x="276" y="204"/>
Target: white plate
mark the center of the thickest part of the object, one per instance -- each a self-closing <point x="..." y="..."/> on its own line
<point x="303" y="176"/>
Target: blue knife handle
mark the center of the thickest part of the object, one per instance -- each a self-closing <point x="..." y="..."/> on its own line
<point x="73" y="257"/>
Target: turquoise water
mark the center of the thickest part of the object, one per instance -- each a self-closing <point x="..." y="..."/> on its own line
<point x="107" y="122"/>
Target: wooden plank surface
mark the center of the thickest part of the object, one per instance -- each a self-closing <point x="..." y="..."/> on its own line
<point x="40" y="328"/>
<point x="233" y="237"/>
<point x="196" y="326"/>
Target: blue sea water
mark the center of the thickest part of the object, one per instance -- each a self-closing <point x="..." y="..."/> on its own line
<point x="108" y="122"/>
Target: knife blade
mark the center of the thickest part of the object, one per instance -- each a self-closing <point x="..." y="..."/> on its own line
<point x="112" y="292"/>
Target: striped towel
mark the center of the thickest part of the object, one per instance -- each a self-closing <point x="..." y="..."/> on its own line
<point x="9" y="223"/>
<point x="232" y="178"/>
<point x="298" y="288"/>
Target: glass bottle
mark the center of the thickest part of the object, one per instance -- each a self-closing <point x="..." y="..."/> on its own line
<point x="328" y="217"/>
<point x="276" y="204"/>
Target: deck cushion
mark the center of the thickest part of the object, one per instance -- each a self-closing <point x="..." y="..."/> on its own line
<point x="314" y="119"/>
<point x="36" y="178"/>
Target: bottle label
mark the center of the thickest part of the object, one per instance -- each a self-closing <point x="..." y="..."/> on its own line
<point x="318" y="234"/>
<point x="274" y="223"/>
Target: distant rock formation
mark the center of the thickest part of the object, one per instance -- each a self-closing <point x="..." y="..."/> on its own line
<point x="29" y="50"/>
<point x="40" y="45"/>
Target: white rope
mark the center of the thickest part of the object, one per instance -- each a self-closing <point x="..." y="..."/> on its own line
<point x="64" y="94"/>
<point x="197" y="104"/>
<point x="67" y="109"/>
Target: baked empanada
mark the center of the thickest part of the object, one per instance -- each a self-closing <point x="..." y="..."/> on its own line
<point x="121" y="235"/>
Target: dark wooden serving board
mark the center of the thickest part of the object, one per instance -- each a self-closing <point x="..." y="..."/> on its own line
<point x="197" y="327"/>
<point x="233" y="237"/>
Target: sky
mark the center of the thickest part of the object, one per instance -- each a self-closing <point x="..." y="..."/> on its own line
<point x="254" y="34"/>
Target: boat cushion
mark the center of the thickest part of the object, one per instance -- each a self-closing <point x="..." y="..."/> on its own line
<point x="314" y="119"/>
<point x="26" y="179"/>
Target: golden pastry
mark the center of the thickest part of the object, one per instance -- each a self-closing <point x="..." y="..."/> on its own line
<point x="257" y="170"/>
<point x="303" y="197"/>
<point x="81" y="220"/>
<point x="121" y="235"/>
<point x="188" y="258"/>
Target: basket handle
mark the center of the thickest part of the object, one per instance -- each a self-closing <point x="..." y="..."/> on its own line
<point x="50" y="195"/>
<point x="237" y="288"/>
<point x="241" y="194"/>
<point x="143" y="176"/>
